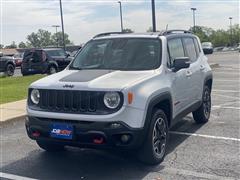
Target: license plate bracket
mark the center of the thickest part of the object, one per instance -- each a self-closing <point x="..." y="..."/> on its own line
<point x="61" y="131"/>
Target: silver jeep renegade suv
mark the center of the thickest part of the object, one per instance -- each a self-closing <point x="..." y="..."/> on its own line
<point x="122" y="91"/>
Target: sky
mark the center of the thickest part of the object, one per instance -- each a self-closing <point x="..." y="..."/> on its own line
<point x="85" y="18"/>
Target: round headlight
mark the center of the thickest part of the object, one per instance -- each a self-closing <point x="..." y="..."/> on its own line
<point x="35" y="96"/>
<point x="112" y="100"/>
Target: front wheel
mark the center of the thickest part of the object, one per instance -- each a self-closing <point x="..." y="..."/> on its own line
<point x="202" y="114"/>
<point x="50" y="147"/>
<point x="10" y="70"/>
<point x="154" y="148"/>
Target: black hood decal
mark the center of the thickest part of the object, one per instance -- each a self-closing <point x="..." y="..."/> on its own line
<point x="84" y="75"/>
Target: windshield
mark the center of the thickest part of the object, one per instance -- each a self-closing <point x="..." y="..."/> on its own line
<point x="56" y="52"/>
<point x="206" y="44"/>
<point x="119" y="54"/>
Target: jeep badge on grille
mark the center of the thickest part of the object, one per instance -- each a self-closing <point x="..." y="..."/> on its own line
<point x="68" y="86"/>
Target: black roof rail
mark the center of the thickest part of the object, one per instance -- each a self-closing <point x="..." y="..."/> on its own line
<point x="109" y="33"/>
<point x="175" y="30"/>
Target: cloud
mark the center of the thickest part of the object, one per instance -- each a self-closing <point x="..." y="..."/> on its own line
<point x="83" y="19"/>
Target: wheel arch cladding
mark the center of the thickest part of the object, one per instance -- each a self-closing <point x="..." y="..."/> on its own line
<point x="209" y="81"/>
<point x="162" y="101"/>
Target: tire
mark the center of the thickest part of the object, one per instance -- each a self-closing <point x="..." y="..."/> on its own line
<point x="52" y="70"/>
<point x="202" y="114"/>
<point x="50" y="147"/>
<point x="151" y="153"/>
<point x="10" y="70"/>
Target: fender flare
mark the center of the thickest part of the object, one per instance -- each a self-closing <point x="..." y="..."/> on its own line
<point x="153" y="102"/>
<point x="207" y="78"/>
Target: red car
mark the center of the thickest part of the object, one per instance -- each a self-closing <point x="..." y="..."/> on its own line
<point x="18" y="59"/>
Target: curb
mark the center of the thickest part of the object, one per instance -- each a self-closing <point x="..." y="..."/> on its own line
<point x="12" y="120"/>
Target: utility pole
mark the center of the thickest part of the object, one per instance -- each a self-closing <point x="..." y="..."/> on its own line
<point x="194" y="20"/>
<point x="63" y="36"/>
<point x="121" y="18"/>
<point x="153" y="16"/>
<point x="56" y="26"/>
<point x="231" y="38"/>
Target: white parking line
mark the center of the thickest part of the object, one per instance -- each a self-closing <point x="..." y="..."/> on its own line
<point x="14" y="177"/>
<point x="205" y="136"/>
<point x="201" y="175"/>
<point x="225" y="80"/>
<point x="225" y="107"/>
<point x="221" y="90"/>
<point x="232" y="97"/>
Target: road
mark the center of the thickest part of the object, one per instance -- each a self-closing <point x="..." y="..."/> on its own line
<point x="210" y="151"/>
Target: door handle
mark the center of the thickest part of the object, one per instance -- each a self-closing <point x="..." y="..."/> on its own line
<point x="189" y="74"/>
<point x="202" y="67"/>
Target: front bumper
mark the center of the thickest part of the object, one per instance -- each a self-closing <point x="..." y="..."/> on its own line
<point x="88" y="134"/>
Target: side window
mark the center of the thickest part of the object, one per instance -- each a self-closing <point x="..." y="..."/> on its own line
<point x="175" y="47"/>
<point x="37" y="56"/>
<point x="190" y="49"/>
<point x="197" y="46"/>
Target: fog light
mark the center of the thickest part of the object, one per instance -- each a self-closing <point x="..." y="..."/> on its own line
<point x="125" y="138"/>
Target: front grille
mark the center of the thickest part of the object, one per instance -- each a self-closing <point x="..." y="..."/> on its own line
<point x="69" y="101"/>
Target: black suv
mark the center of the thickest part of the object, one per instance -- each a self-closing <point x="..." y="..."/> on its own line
<point x="7" y="65"/>
<point x="41" y="61"/>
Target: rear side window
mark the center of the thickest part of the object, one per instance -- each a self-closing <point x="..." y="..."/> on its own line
<point x="190" y="49"/>
<point x="197" y="46"/>
<point x="175" y="49"/>
<point x="55" y="52"/>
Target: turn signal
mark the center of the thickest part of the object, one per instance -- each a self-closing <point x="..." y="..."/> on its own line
<point x="130" y="98"/>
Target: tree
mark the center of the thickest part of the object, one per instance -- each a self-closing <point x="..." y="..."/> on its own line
<point x="44" y="38"/>
<point x="1" y="46"/>
<point x="56" y="39"/>
<point x="128" y="30"/>
<point x="33" y="40"/>
<point x="11" y="46"/>
<point x="22" y="45"/>
<point x="150" y="29"/>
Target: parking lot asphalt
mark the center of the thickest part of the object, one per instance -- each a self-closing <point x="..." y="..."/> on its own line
<point x="209" y="151"/>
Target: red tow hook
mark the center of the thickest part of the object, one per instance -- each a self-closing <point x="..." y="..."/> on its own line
<point x="36" y="134"/>
<point x="98" y="140"/>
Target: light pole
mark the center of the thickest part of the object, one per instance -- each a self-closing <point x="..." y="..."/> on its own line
<point x="121" y="18"/>
<point x="56" y="26"/>
<point x="230" y="19"/>
<point x="153" y="16"/>
<point x="63" y="37"/>
<point x="194" y="20"/>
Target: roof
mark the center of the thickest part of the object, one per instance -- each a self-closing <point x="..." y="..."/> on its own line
<point x="141" y="35"/>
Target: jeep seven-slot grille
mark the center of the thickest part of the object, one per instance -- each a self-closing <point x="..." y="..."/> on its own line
<point x="70" y="101"/>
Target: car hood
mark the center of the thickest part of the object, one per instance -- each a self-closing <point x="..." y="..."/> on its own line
<point x="92" y="79"/>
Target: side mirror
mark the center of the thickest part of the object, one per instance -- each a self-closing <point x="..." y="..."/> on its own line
<point x="181" y="63"/>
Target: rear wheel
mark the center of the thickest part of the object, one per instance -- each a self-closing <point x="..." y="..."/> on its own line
<point x="10" y="70"/>
<point x="52" y="70"/>
<point x="154" y="148"/>
<point x="202" y="114"/>
<point x="50" y="147"/>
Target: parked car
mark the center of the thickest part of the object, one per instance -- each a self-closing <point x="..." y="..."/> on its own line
<point x="41" y="61"/>
<point x="18" y="59"/>
<point x="7" y="65"/>
<point x="207" y="47"/>
<point x="122" y="91"/>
